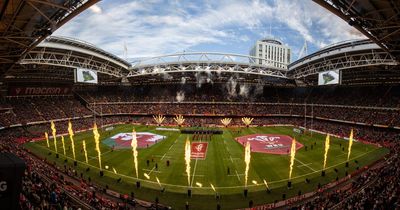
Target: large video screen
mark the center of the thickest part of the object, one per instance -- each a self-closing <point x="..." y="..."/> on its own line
<point x="329" y="77"/>
<point x="86" y="76"/>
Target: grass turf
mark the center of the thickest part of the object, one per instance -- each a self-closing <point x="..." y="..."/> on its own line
<point x="223" y="152"/>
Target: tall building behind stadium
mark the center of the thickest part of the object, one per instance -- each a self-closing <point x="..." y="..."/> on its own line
<point x="272" y="51"/>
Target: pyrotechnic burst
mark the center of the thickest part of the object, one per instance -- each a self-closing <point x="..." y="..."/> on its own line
<point x="292" y="157"/>
<point x="135" y="152"/>
<point x="159" y="119"/>
<point x="97" y="141"/>
<point x="247" y="156"/>
<point x="180" y="96"/>
<point x="350" y="144"/>
<point x="179" y="119"/>
<point x="53" y="131"/>
<point x="187" y="159"/>
<point x="71" y="136"/>
<point x="247" y="121"/>
<point x="226" y="121"/>
<point x="327" y="145"/>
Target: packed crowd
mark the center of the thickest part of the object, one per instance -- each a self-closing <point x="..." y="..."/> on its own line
<point x="370" y="105"/>
<point x="49" y="187"/>
<point x="363" y="115"/>
<point x="375" y="96"/>
<point x="377" y="188"/>
<point x="33" y="109"/>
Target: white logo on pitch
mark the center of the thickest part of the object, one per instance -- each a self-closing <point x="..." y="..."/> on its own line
<point x="265" y="138"/>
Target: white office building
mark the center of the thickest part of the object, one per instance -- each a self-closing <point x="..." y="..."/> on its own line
<point x="272" y="52"/>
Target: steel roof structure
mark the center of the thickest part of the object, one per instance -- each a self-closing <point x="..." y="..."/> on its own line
<point x="379" y="20"/>
<point x="25" y="23"/>
<point x="204" y="62"/>
<point x="73" y="53"/>
<point x="341" y="56"/>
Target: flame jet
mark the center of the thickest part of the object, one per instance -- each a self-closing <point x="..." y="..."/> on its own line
<point x="350" y="144"/>
<point x="327" y="145"/>
<point x="54" y="131"/>
<point x="292" y="157"/>
<point x="135" y="152"/>
<point x="97" y="141"/>
<point x="63" y="143"/>
<point x="187" y="159"/>
<point x="247" y="156"/>
<point x="46" y="136"/>
<point x="71" y="136"/>
<point x="84" y="149"/>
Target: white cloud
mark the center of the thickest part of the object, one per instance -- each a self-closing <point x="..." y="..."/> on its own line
<point x="150" y="29"/>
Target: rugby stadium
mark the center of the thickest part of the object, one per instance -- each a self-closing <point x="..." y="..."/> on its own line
<point x="84" y="128"/>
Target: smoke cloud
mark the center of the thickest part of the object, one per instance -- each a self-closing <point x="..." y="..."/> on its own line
<point x="244" y="90"/>
<point x="231" y="87"/>
<point x="180" y="96"/>
<point x="183" y="80"/>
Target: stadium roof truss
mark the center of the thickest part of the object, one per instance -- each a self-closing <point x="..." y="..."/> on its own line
<point x="67" y="52"/>
<point x="345" y="55"/>
<point x="204" y="62"/>
<point x="379" y="20"/>
<point x="25" y="23"/>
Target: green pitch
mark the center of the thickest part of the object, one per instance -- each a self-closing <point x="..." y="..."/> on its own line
<point x="223" y="152"/>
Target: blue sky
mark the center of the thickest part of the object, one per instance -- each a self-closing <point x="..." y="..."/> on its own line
<point x="155" y="27"/>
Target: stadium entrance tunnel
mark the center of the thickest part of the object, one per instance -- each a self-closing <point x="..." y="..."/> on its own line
<point x="269" y="143"/>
